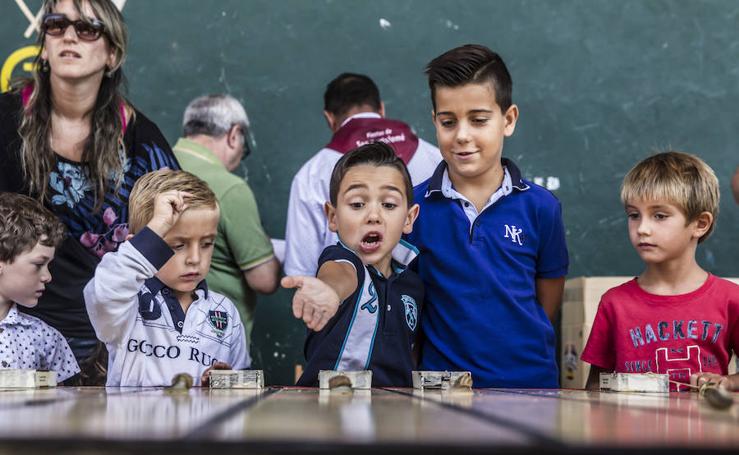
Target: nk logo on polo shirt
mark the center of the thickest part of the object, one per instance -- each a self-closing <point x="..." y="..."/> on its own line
<point x="513" y="233"/>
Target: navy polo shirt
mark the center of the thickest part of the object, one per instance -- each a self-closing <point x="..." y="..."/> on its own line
<point x="374" y="329"/>
<point x="480" y="312"/>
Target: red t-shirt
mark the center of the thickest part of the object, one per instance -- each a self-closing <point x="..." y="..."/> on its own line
<point x="638" y="332"/>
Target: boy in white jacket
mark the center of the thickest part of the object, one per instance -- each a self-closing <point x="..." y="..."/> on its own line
<point x="149" y="302"/>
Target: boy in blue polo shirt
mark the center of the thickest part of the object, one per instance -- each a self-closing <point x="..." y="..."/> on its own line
<point x="362" y="307"/>
<point x="492" y="246"/>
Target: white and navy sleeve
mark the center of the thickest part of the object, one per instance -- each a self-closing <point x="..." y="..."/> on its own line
<point x="339" y="253"/>
<point x="110" y="297"/>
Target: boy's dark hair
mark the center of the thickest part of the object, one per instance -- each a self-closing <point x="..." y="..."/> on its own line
<point x="471" y="64"/>
<point x="375" y="153"/>
<point x="349" y="90"/>
<point x="24" y="222"/>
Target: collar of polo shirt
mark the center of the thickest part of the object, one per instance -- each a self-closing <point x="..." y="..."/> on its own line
<point x="441" y="176"/>
<point x="155" y="286"/>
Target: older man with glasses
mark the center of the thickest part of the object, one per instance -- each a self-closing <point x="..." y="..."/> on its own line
<point x="216" y="130"/>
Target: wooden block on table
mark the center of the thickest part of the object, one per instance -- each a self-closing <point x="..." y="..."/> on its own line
<point x="635" y="382"/>
<point x="236" y="379"/>
<point x="26" y="379"/>
<point x="357" y="380"/>
<point x="442" y="380"/>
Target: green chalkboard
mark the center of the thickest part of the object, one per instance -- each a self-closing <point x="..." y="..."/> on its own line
<point x="600" y="84"/>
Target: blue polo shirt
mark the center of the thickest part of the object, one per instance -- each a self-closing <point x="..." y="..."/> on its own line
<point x="479" y="270"/>
<point x="374" y="329"/>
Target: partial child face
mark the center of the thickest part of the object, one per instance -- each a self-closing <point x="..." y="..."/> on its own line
<point x="192" y="240"/>
<point x="24" y="280"/>
<point x="470" y="129"/>
<point x="372" y="213"/>
<point x="660" y="232"/>
<point x="72" y="58"/>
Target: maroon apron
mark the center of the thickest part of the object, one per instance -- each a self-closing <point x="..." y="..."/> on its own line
<point x="362" y="130"/>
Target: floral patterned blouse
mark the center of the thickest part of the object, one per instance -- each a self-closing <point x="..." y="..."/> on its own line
<point x="91" y="233"/>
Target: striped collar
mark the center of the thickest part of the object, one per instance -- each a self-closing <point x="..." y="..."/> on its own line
<point x="402" y="255"/>
<point x="155" y="285"/>
<point x="436" y="182"/>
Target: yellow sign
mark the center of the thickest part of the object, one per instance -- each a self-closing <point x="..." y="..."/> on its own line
<point x="23" y="56"/>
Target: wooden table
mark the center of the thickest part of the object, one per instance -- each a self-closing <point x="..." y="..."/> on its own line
<point x="387" y="421"/>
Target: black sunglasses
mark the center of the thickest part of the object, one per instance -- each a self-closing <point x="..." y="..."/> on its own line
<point x="56" y="25"/>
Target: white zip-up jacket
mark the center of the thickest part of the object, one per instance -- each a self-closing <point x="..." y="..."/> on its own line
<point x="149" y="338"/>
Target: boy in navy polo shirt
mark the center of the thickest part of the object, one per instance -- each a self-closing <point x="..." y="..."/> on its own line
<point x="492" y="246"/>
<point x="362" y="307"/>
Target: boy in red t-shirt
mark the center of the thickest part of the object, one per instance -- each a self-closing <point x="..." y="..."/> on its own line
<point x="675" y="317"/>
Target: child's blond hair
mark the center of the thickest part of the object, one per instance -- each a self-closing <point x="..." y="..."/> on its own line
<point x="678" y="178"/>
<point x="141" y="200"/>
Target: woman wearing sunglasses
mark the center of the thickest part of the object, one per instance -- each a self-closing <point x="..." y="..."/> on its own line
<point x="69" y="138"/>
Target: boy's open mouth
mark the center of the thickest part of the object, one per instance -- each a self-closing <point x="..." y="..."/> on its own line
<point x="370" y="242"/>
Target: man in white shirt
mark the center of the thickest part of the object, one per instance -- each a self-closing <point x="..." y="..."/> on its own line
<point x="356" y="116"/>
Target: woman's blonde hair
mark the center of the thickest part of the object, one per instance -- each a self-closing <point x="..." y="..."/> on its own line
<point x="144" y="192"/>
<point x="678" y="178"/>
<point x="104" y="152"/>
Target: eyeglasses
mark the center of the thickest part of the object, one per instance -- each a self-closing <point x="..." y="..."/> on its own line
<point x="57" y="24"/>
<point x="246" y="139"/>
